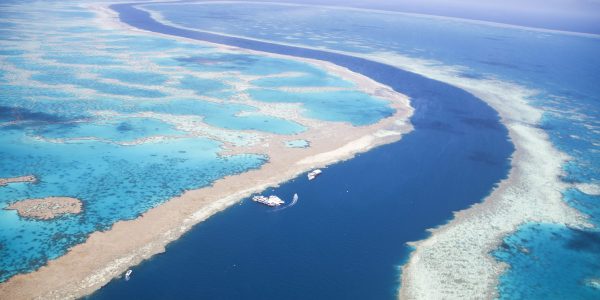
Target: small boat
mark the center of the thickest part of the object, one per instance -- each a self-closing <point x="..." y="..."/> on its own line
<point x="270" y="201"/>
<point x="313" y="174"/>
<point x="127" y="274"/>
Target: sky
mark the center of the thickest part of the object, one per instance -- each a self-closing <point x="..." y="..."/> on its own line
<point x="567" y="15"/>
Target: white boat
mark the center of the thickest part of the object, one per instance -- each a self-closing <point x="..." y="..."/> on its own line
<point x="270" y="201"/>
<point x="127" y="274"/>
<point x="313" y="174"/>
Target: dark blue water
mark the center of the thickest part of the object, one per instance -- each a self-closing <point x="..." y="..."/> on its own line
<point x="346" y="236"/>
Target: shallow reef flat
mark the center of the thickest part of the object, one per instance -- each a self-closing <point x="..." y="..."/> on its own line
<point x="146" y="135"/>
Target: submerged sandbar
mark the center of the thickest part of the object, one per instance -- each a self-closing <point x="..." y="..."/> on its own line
<point x="27" y="178"/>
<point x="46" y="208"/>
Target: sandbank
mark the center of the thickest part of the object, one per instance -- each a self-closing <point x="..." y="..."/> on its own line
<point x="27" y="178"/>
<point x="46" y="208"/>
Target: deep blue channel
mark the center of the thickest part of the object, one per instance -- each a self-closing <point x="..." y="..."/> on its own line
<point x="347" y="235"/>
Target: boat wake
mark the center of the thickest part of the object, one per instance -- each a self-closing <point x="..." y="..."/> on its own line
<point x="294" y="201"/>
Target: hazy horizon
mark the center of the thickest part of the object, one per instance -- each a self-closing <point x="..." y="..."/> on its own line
<point x="566" y="15"/>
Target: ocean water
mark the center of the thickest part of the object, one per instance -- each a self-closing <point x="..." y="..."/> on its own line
<point x="347" y="234"/>
<point x="562" y="69"/>
<point x="93" y="114"/>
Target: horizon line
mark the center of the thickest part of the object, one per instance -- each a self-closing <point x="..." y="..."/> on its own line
<point x="393" y="12"/>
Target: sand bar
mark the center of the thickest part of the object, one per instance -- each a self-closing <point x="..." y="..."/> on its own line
<point x="46" y="208"/>
<point x="27" y="178"/>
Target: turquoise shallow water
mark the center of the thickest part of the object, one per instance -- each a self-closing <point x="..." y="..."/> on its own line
<point x="331" y="106"/>
<point x="315" y="78"/>
<point x="203" y="86"/>
<point x="93" y="113"/>
<point x="127" y="129"/>
<point x="297" y="144"/>
<point x="563" y="69"/>
<point x="223" y="115"/>
<point x="114" y="183"/>
<point x="568" y="258"/>
<point x="126" y="76"/>
<point x="106" y="88"/>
